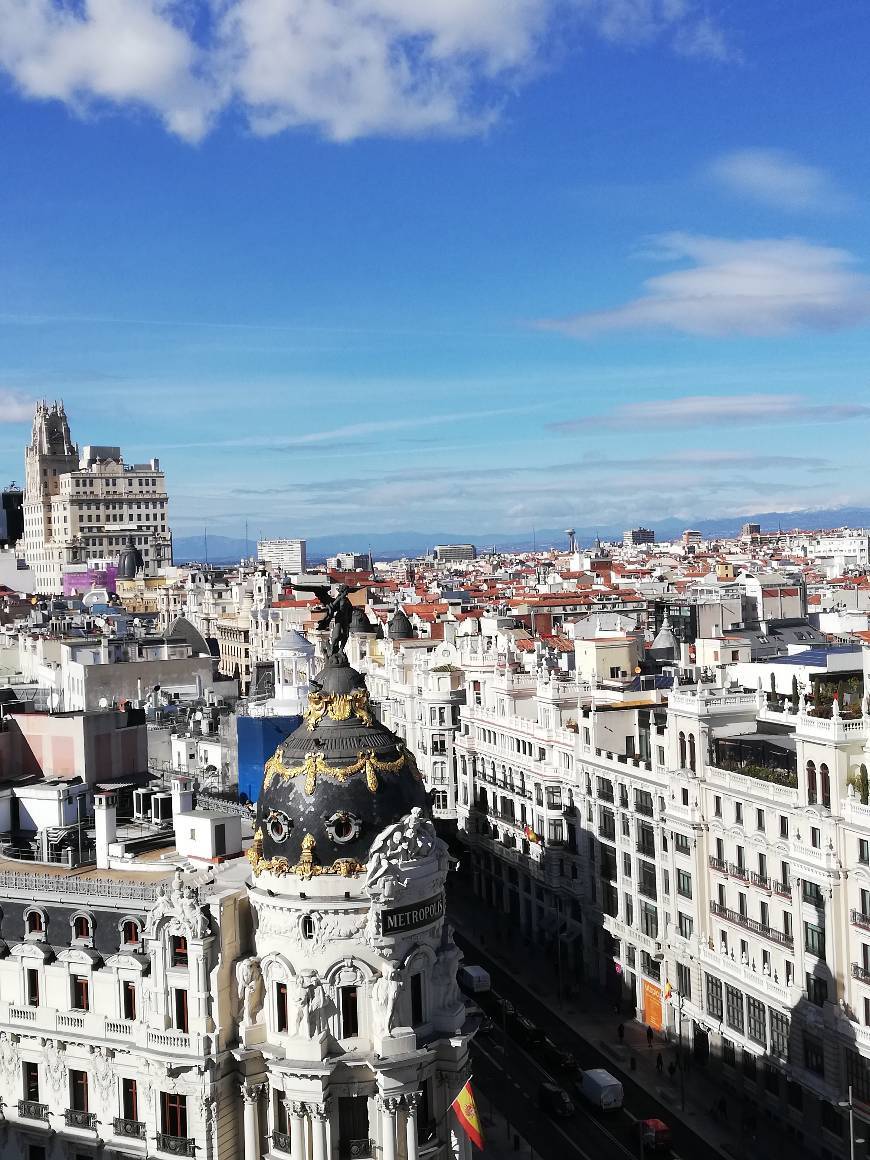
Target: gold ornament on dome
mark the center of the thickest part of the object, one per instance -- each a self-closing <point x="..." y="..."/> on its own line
<point x="306" y="867"/>
<point x="315" y="764"/>
<point x="338" y="707"/>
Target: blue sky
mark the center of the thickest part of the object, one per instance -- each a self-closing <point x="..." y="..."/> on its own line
<point x="468" y="265"/>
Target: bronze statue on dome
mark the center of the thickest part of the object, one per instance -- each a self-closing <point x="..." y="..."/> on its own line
<point x="338" y="611"/>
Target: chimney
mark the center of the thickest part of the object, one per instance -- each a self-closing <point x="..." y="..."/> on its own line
<point x="182" y="795"/>
<point x="106" y="825"/>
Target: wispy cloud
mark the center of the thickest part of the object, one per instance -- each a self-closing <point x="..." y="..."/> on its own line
<point x="776" y="178"/>
<point x="766" y="286"/>
<point x="355" y="433"/>
<point x="713" y="411"/>
<point x="15" y="408"/>
<point x="348" y="70"/>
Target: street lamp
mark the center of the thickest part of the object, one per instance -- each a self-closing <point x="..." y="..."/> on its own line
<point x="850" y="1105"/>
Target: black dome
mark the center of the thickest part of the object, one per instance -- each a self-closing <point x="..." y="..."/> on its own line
<point x="359" y="622"/>
<point x="400" y="627"/>
<point x="334" y="783"/>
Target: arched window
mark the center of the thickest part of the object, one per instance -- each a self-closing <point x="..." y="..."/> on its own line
<point x="35" y="922"/>
<point x="130" y="933"/>
<point x="81" y="927"/>
<point x="826" y="785"/>
<point x="812" y="790"/>
<point x="682" y="750"/>
<point x="692" y="752"/>
<point x="307" y="926"/>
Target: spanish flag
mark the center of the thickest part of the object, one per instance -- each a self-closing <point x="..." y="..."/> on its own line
<point x="466" y="1113"/>
<point x="530" y="834"/>
<point x="669" y="990"/>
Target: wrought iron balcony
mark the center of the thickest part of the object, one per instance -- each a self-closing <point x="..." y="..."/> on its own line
<point x="860" y="973"/>
<point x="645" y="808"/>
<point x="78" y="1119"/>
<point x="859" y="918"/>
<point x="133" y="1129"/>
<point x="32" y="1110"/>
<point x="281" y="1141"/>
<point x="782" y="888"/>
<point x="759" y="880"/>
<point x="751" y="924"/>
<point x="176" y="1145"/>
<point x="718" y="864"/>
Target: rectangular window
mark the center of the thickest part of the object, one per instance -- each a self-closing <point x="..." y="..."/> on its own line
<point x="180" y="1004"/>
<point x="128" y="995"/>
<point x="864" y="851"/>
<point x="646" y="879"/>
<point x="814" y="1056"/>
<point x="783" y="826"/>
<point x="350" y="1012"/>
<point x="179" y="951"/>
<point x="685" y="924"/>
<point x="684" y="980"/>
<point x="416" y="1000"/>
<point x="173" y="1114"/>
<point x="817" y="990"/>
<point x="738" y="813"/>
<point x="729" y="1055"/>
<point x="814" y="940"/>
<point x="32" y="987"/>
<point x="626" y="865"/>
<point x="756" y="1020"/>
<point x="649" y="920"/>
<point x="682" y="845"/>
<point x="30" y="1073"/>
<point x="858" y="1076"/>
<point x="815" y="837"/>
<point x="80" y="995"/>
<point x="684" y="883"/>
<point x="129" y="1099"/>
<point x="759" y="819"/>
<point x="78" y="1090"/>
<point x="734" y="1008"/>
<point x="717" y="806"/>
<point x="281" y="1006"/>
<point x="714" y="997"/>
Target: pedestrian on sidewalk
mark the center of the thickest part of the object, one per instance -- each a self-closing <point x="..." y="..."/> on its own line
<point x="649" y="1036"/>
<point x="660" y="1063"/>
<point x="620" y="1031"/>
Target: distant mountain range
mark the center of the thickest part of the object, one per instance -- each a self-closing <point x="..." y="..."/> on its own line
<point x="391" y="545"/>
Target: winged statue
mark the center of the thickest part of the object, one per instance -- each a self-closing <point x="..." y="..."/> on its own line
<point x="337" y="610"/>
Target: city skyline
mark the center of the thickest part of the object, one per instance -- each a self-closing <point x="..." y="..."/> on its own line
<point x="521" y="298"/>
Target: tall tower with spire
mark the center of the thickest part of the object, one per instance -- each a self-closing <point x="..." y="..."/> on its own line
<point x="353" y="1034"/>
<point x="50" y="455"/>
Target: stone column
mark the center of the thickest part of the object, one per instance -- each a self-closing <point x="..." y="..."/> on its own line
<point x="389" y="1107"/>
<point x="251" y="1100"/>
<point x="411" y="1102"/>
<point x="296" y="1115"/>
<point x="320" y="1131"/>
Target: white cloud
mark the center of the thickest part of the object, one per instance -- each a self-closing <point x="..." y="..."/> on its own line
<point x="765" y="286"/>
<point x="776" y="178"/>
<point x="15" y="408"/>
<point x="347" y="68"/>
<point x="715" y="411"/>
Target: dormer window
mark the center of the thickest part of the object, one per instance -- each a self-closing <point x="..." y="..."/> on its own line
<point x="81" y="927"/>
<point x="130" y="933"/>
<point x="35" y="922"/>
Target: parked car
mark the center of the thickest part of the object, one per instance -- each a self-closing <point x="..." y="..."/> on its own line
<point x="473" y="980"/>
<point x="558" y="1058"/>
<point x="656" y="1137"/>
<point x="555" y="1101"/>
<point x="601" y="1089"/>
<point x="524" y="1030"/>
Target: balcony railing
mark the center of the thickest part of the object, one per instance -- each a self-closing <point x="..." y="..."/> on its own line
<point x="782" y="888"/>
<point x="718" y="864"/>
<point x="860" y="973"/>
<point x="751" y="924"/>
<point x="759" y="880"/>
<point x="737" y="871"/>
<point x="647" y="849"/>
<point x="859" y="918"/>
<point x="176" y="1145"/>
<point x="78" y="1119"/>
<point x="643" y="808"/>
<point x="32" y="1110"/>
<point x="132" y="1129"/>
<point x="281" y="1141"/>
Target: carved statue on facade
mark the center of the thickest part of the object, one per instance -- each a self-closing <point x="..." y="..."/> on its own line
<point x="386" y="992"/>
<point x="9" y="1057"/>
<point x="54" y="1058"/>
<point x="175" y="899"/>
<point x="249" y="988"/>
<point x="444" y="984"/>
<point x="104" y="1074"/>
<point x="405" y="841"/>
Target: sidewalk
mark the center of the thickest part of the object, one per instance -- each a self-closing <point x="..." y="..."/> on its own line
<point x="593" y="1018"/>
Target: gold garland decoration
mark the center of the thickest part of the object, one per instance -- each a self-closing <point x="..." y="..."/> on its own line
<point x="338" y="707"/>
<point x="306" y="867"/>
<point x="315" y="763"/>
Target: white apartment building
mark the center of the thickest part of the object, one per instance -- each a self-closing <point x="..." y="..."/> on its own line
<point x="86" y="508"/>
<point x="286" y="554"/>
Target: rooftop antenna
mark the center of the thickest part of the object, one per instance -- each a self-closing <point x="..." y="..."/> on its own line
<point x="246" y="540"/>
<point x="205" y="538"/>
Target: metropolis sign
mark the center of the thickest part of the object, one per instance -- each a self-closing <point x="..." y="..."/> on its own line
<point x="398" y="919"/>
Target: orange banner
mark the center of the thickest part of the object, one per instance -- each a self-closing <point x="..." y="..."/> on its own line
<point x="652" y="1005"/>
<point x="466" y="1113"/>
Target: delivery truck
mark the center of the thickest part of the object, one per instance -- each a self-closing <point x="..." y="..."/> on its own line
<point x="601" y="1089"/>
